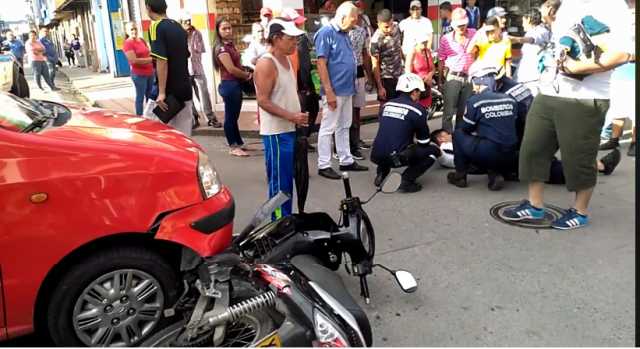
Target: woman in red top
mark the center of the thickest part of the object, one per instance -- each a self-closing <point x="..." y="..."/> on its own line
<point x="137" y="53"/>
<point x="419" y="61"/>
<point x="227" y="61"/>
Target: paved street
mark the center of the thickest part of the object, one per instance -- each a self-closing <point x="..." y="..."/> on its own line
<point x="481" y="282"/>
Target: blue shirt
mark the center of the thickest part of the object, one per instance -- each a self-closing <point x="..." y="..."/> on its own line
<point x="521" y="93"/>
<point x="335" y="46"/>
<point x="474" y="16"/>
<point x="492" y="115"/>
<point x="400" y="120"/>
<point x="17" y="48"/>
<point x="49" y="49"/>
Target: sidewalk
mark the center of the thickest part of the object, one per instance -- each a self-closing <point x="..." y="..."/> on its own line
<point x="105" y="91"/>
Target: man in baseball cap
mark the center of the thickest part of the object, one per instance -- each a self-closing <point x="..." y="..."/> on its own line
<point x="401" y="120"/>
<point x="265" y="16"/>
<point x="414" y="27"/>
<point x="279" y="107"/>
<point x="501" y="13"/>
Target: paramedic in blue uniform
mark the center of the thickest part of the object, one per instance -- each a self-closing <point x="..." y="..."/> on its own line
<point x="522" y="94"/>
<point x="402" y="120"/>
<point x="487" y="136"/>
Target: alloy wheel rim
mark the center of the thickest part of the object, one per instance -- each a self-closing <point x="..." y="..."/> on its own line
<point x="119" y="308"/>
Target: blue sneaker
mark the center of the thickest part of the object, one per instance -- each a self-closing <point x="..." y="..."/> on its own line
<point x="523" y="211"/>
<point x="570" y="220"/>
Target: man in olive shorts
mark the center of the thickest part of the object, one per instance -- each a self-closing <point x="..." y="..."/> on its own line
<point x="569" y="112"/>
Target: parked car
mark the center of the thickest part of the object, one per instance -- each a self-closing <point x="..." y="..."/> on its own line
<point x="12" y="77"/>
<point x="98" y="210"/>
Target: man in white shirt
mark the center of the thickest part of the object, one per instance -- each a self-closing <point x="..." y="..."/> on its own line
<point x="415" y="27"/>
<point x="569" y="112"/>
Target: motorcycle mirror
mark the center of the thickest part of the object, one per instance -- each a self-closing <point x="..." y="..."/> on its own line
<point x="391" y="183"/>
<point x="406" y="281"/>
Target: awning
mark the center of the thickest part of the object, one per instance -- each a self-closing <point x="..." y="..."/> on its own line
<point x="69" y="5"/>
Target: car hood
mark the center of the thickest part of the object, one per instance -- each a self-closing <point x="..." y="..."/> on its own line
<point x="91" y="125"/>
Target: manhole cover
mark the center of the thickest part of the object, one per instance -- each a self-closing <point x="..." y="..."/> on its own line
<point x="551" y="213"/>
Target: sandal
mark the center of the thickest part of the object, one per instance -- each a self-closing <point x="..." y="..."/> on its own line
<point x="214" y="123"/>
<point x="238" y="152"/>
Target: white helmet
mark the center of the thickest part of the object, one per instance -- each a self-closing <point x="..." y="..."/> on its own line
<point x="408" y="82"/>
<point x="480" y="70"/>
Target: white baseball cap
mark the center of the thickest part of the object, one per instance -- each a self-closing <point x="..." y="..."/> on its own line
<point x="286" y="27"/>
<point x="408" y="82"/>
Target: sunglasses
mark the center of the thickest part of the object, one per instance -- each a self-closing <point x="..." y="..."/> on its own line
<point x="416" y="8"/>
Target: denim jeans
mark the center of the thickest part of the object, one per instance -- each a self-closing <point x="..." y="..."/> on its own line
<point x="40" y="70"/>
<point x="232" y="96"/>
<point x="144" y="85"/>
<point x="53" y="68"/>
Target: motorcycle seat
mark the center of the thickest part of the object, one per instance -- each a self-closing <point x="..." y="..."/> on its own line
<point x="333" y="284"/>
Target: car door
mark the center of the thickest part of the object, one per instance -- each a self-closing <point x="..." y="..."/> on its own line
<point x="3" y="325"/>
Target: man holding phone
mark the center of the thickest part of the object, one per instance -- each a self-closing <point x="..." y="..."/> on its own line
<point x="171" y="53"/>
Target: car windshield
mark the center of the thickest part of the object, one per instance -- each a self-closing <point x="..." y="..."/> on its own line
<point x="17" y="113"/>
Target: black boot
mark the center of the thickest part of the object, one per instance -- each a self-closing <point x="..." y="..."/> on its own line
<point x="613" y="143"/>
<point x="610" y="161"/>
<point x="496" y="181"/>
<point x="409" y="187"/>
<point x="632" y="149"/>
<point x="459" y="179"/>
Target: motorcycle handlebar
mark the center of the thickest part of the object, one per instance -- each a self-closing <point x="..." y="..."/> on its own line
<point x="347" y="184"/>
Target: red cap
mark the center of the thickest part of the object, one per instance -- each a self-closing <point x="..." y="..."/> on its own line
<point x="293" y="15"/>
<point x="361" y="4"/>
<point x="265" y="11"/>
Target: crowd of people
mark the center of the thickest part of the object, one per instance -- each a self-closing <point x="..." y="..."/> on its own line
<point x="42" y="54"/>
<point x="505" y="122"/>
<point x="498" y="120"/>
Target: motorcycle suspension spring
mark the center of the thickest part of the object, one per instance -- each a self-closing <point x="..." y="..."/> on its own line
<point x="247" y="306"/>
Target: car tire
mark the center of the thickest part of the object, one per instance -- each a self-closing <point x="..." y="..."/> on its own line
<point x="141" y="269"/>
<point x="23" y="87"/>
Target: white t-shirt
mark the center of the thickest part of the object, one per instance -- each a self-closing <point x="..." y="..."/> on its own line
<point x="413" y="31"/>
<point x="528" y="66"/>
<point x="610" y="13"/>
<point x="446" y="159"/>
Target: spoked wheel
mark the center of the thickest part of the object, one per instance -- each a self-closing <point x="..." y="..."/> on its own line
<point x="244" y="332"/>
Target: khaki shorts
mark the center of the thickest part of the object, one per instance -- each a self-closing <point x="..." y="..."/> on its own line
<point x="360" y="98"/>
<point x="571" y="125"/>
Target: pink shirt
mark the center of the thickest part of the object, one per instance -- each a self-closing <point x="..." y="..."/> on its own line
<point x="454" y="54"/>
<point x="35" y="57"/>
<point x="141" y="50"/>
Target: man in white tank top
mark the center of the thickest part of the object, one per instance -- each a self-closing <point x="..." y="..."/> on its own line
<point x="277" y="96"/>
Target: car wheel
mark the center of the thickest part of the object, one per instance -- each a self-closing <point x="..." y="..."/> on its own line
<point x="114" y="298"/>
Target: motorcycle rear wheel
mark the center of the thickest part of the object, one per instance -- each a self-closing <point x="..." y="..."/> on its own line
<point x="247" y="331"/>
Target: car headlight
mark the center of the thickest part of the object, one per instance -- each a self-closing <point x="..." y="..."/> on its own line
<point x="208" y="177"/>
<point x="327" y="333"/>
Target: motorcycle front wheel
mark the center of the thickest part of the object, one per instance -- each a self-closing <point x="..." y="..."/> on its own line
<point x="247" y="331"/>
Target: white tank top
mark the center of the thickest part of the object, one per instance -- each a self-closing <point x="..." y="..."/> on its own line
<point x="284" y="95"/>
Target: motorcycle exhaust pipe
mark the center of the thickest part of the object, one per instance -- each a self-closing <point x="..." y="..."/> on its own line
<point x="248" y="306"/>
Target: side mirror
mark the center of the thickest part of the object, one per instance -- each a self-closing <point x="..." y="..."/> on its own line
<point x="391" y="183"/>
<point x="406" y="281"/>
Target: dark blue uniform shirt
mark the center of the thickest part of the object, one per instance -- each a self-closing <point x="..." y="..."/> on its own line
<point x="492" y="115"/>
<point x="519" y="92"/>
<point x="400" y="120"/>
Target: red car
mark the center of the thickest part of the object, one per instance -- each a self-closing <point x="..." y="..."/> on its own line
<point x="98" y="210"/>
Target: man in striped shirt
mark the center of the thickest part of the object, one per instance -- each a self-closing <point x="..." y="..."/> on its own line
<point x="452" y="51"/>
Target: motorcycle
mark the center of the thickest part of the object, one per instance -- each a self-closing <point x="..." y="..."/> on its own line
<point x="277" y="285"/>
